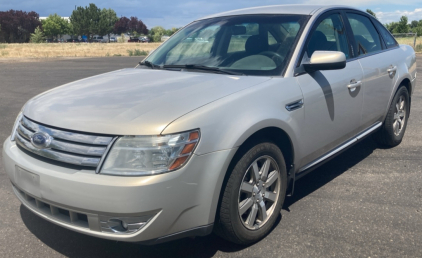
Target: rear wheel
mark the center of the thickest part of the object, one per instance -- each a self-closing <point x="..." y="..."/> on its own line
<point x="394" y="127"/>
<point x="253" y="195"/>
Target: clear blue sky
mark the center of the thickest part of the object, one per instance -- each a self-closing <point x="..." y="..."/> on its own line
<point x="174" y="13"/>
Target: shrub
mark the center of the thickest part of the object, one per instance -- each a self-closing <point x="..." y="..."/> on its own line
<point x="137" y="52"/>
<point x="418" y="47"/>
<point x="122" y="39"/>
<point x="37" y="36"/>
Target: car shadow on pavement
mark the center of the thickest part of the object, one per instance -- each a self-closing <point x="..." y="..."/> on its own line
<point x="72" y="244"/>
<point x="330" y="170"/>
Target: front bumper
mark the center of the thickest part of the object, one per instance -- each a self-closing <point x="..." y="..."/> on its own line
<point x="174" y="202"/>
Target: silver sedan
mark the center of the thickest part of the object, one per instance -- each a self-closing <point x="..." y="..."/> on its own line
<point x="211" y="131"/>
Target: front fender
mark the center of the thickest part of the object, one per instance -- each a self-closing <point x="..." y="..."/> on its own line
<point x="228" y="122"/>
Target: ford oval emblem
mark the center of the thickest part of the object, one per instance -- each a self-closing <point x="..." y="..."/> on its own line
<point x="41" y="140"/>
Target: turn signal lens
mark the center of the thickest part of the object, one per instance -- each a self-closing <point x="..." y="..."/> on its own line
<point x="194" y="136"/>
<point x="178" y="162"/>
<point x="188" y="148"/>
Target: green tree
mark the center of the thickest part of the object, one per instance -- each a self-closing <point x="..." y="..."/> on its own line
<point x="391" y="26"/>
<point x="156" y="33"/>
<point x="37" y="36"/>
<point x="371" y="12"/>
<point x="418" y="31"/>
<point x="414" y="24"/>
<point x="171" y="31"/>
<point x="402" y="26"/>
<point x="85" y="20"/>
<point x="55" y="25"/>
<point x="106" y="23"/>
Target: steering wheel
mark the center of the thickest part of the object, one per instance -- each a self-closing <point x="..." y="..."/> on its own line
<point x="276" y="57"/>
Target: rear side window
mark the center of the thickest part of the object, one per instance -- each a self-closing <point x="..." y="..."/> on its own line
<point x="365" y="34"/>
<point x="388" y="38"/>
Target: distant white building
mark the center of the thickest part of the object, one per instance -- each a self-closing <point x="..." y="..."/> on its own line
<point x="164" y="38"/>
<point x="66" y="18"/>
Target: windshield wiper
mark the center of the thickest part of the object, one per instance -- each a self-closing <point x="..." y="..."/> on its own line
<point x="149" y="64"/>
<point x="202" y="67"/>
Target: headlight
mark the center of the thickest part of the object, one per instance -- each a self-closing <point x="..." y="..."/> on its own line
<point x="15" y="126"/>
<point x="150" y="155"/>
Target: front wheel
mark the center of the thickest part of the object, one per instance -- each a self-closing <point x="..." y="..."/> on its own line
<point x="395" y="123"/>
<point x="253" y="195"/>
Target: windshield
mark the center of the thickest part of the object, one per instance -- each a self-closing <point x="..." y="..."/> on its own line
<point x="248" y="44"/>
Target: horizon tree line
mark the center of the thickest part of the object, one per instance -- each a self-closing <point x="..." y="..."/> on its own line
<point x="18" y="26"/>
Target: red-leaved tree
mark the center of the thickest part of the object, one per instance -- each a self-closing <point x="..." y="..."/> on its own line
<point x="131" y="25"/>
<point x="17" y="26"/>
<point x="137" y="25"/>
<point x="121" y="26"/>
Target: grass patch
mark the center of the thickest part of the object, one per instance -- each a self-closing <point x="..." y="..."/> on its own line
<point x="52" y="50"/>
<point x="409" y="41"/>
<point x="137" y="52"/>
<point x="418" y="48"/>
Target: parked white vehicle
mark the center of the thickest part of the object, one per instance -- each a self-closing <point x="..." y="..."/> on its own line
<point x="211" y="131"/>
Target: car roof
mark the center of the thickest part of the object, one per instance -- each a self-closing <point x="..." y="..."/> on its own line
<point x="279" y="9"/>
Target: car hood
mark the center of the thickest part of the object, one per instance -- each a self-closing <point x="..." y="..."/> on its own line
<point x="132" y="101"/>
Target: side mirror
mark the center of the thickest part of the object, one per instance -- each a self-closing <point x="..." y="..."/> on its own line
<point x="326" y="60"/>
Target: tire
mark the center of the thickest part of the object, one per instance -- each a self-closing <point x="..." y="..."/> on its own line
<point x="237" y="225"/>
<point x="395" y="123"/>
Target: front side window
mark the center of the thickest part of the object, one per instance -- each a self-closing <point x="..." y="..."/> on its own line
<point x="329" y="35"/>
<point x="247" y="44"/>
<point x="365" y="34"/>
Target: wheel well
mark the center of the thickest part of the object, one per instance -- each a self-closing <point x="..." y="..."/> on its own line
<point x="271" y="134"/>
<point x="408" y="85"/>
<point x="276" y="136"/>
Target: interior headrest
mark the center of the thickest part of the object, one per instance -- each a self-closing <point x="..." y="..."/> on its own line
<point x="256" y="44"/>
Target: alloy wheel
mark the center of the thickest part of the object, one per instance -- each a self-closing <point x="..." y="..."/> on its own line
<point x="259" y="191"/>
<point x="399" y="116"/>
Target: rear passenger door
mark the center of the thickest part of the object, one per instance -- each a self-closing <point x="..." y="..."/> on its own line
<point x="379" y="66"/>
<point x="332" y="107"/>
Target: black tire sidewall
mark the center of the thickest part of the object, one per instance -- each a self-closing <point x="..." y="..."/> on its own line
<point x="243" y="234"/>
<point x="393" y="138"/>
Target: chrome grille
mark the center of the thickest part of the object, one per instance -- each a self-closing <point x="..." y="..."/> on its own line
<point x="67" y="147"/>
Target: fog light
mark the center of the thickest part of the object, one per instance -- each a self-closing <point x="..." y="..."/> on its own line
<point x="123" y="225"/>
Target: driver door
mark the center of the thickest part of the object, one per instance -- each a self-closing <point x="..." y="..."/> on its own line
<point x="332" y="109"/>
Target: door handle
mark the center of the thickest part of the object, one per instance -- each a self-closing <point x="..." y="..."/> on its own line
<point x="392" y="70"/>
<point x="354" y="84"/>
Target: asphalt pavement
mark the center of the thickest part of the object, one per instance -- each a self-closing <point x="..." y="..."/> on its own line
<point x="367" y="202"/>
